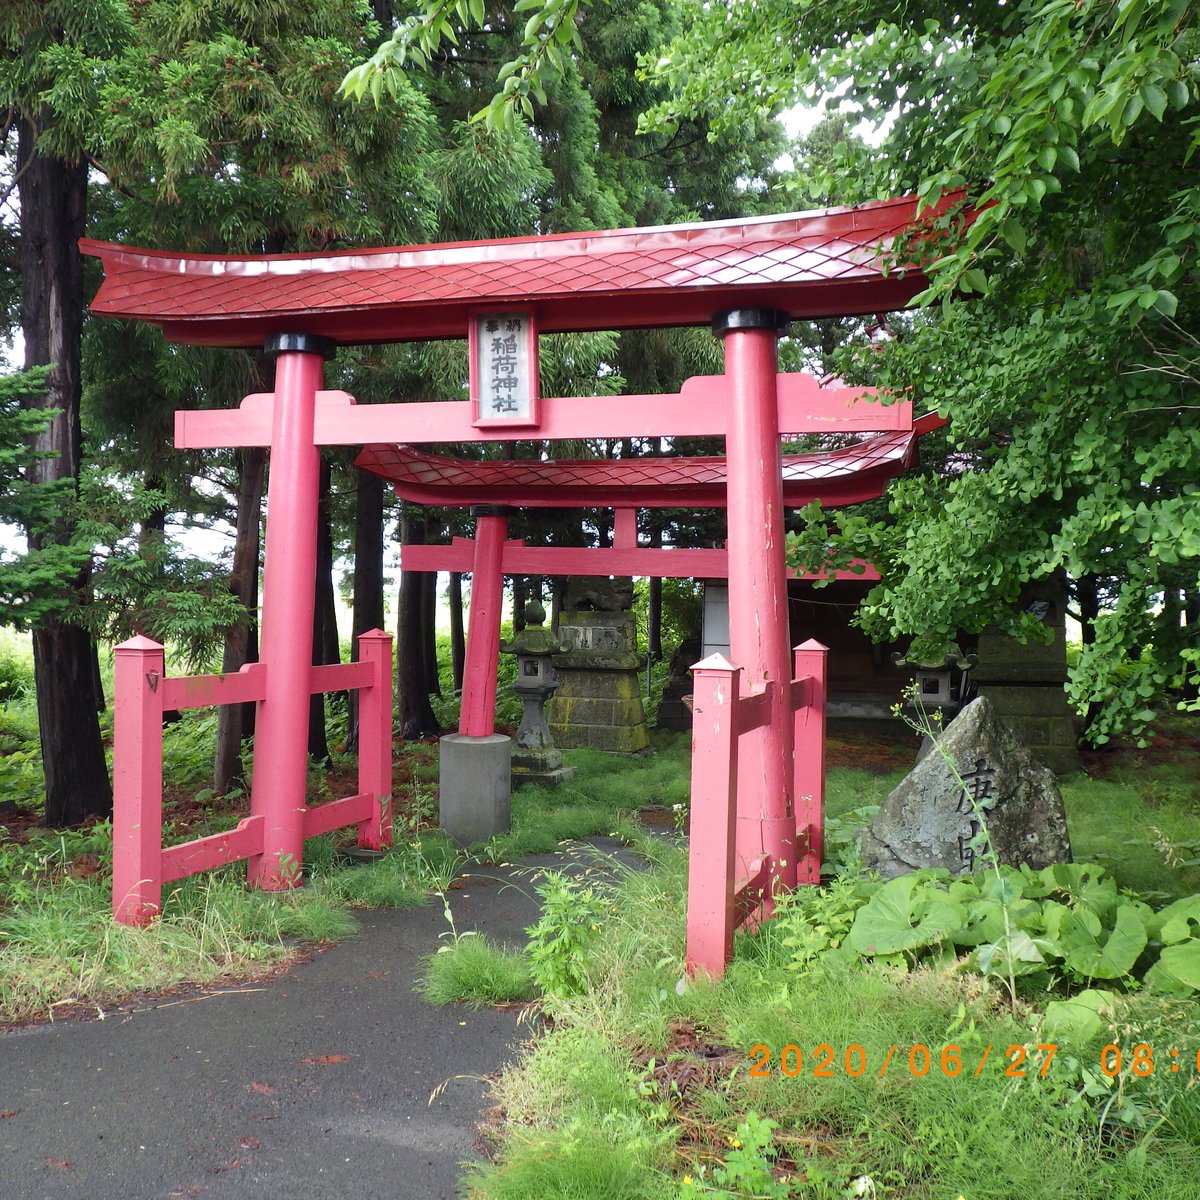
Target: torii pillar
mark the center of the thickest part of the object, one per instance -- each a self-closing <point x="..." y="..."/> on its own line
<point x="475" y="764"/>
<point x="758" y="603"/>
<point x="278" y="791"/>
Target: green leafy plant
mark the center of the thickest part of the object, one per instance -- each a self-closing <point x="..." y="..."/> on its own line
<point x="573" y="915"/>
<point x="747" y="1169"/>
<point x="813" y="923"/>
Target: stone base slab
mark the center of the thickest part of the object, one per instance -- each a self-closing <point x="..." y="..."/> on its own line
<point x="546" y="779"/>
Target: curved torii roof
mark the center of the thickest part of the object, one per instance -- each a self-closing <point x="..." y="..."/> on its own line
<point x="850" y="475"/>
<point x="814" y="264"/>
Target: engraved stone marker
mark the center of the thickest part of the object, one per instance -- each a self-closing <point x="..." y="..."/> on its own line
<point x="933" y="819"/>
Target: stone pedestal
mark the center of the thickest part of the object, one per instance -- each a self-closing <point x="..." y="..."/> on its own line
<point x="534" y="759"/>
<point x="474" y="789"/>
<point x="1025" y="682"/>
<point x="598" y="705"/>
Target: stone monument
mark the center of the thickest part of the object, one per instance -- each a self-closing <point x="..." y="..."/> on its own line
<point x="932" y="818"/>
<point x="672" y="712"/>
<point x="534" y="757"/>
<point x="598" y="704"/>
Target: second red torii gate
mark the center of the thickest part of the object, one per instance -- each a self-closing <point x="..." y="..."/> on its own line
<point x="749" y="278"/>
<point x="849" y="475"/>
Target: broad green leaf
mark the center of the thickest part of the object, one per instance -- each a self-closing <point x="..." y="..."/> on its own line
<point x="908" y="913"/>
<point x="1177" y="922"/>
<point x="1183" y="961"/>
<point x="984" y="923"/>
<point x="1165" y="302"/>
<point x="1155" y="99"/>
<point x="1079" y="1019"/>
<point x="1094" y="952"/>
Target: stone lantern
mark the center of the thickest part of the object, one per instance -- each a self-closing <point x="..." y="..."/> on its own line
<point x="534" y="758"/>
<point x="940" y="684"/>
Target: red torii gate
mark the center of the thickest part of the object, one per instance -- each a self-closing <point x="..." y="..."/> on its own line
<point x="748" y="277"/>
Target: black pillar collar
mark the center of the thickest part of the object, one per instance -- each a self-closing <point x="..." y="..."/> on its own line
<point x="300" y="343"/>
<point x="751" y="318"/>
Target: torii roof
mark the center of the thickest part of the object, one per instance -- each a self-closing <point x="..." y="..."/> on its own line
<point x="814" y="264"/>
<point x="836" y="477"/>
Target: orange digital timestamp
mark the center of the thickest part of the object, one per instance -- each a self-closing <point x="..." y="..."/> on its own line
<point x="1139" y="1060"/>
<point x="825" y="1062"/>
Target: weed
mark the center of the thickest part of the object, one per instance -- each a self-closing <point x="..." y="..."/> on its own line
<point x="848" y="1136"/>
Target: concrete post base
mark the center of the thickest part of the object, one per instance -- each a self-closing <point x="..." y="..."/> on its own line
<point x="474" y="784"/>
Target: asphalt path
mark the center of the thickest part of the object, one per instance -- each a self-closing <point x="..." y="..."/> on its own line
<point x="316" y="1084"/>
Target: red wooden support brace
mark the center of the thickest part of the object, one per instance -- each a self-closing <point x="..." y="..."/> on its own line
<point x="375" y="739"/>
<point x="137" y="781"/>
<point x="809" y="757"/>
<point x="711" y="916"/>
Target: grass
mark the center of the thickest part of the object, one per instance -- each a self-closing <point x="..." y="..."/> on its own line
<point x="474" y="971"/>
<point x="59" y="945"/>
<point x="595" y="801"/>
<point x="640" y="1091"/>
<point x="64" y="949"/>
<point x="620" y="1096"/>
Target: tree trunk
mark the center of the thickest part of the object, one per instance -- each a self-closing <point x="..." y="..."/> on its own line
<point x="433" y="680"/>
<point x="368" y="574"/>
<point x="1087" y="594"/>
<point x="654" y="620"/>
<point x="325" y="639"/>
<point x="53" y="203"/>
<point x="236" y="721"/>
<point x="1191" y="615"/>
<point x="654" y="597"/>
<point x="520" y="596"/>
<point x="235" y="724"/>
<point x="458" y="641"/>
<point x="414" y="712"/>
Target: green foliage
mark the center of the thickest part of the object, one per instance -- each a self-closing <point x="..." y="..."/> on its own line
<point x="577" y="1104"/>
<point x="549" y="37"/>
<point x="583" y="1161"/>
<point x="1066" y="306"/>
<point x="573" y="912"/>
<point x="1059" y="928"/>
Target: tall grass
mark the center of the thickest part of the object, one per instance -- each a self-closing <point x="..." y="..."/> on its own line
<point x="586" y="1096"/>
<point x="59" y="945"/>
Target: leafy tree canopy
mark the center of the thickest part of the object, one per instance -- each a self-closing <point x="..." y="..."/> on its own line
<point x="1059" y="334"/>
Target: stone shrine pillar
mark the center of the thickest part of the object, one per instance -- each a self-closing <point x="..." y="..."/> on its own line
<point x="1024" y="682"/>
<point x="598" y="705"/>
<point x="672" y="712"/>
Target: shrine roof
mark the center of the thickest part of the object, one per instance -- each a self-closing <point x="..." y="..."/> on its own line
<point x="849" y="475"/>
<point x="813" y="264"/>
